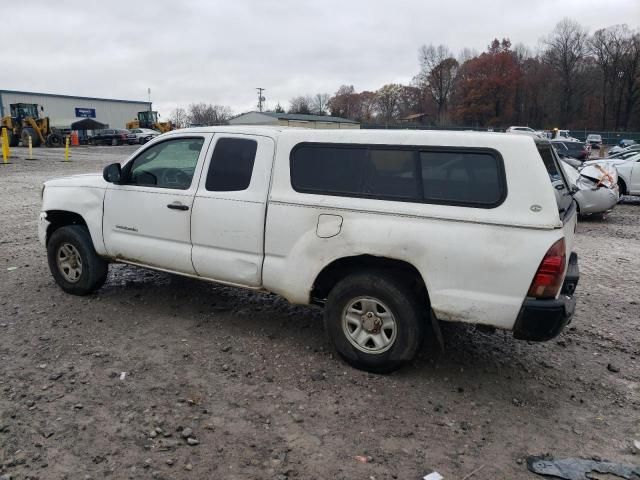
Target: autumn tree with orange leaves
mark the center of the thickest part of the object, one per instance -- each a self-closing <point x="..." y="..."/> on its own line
<point x="486" y="86"/>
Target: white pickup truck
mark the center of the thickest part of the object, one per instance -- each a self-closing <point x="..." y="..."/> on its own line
<point x="390" y="230"/>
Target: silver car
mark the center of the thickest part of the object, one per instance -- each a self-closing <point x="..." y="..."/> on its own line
<point x="143" y="135"/>
<point x="595" y="186"/>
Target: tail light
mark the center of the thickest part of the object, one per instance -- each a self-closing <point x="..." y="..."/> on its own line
<point x="548" y="279"/>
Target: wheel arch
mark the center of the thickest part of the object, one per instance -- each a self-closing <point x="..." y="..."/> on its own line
<point x="63" y="218"/>
<point x="339" y="268"/>
<point x="623" y="186"/>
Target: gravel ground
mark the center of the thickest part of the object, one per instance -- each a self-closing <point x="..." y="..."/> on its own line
<point x="115" y="384"/>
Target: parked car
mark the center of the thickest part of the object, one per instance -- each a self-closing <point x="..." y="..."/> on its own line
<point x="373" y="225"/>
<point x="624" y="154"/>
<point x="576" y="150"/>
<point x="628" y="172"/>
<point x="143" y="135"/>
<point x="617" y="150"/>
<point x="594" y="140"/>
<point x="524" y="131"/>
<point x="110" y="136"/>
<point x="595" y="187"/>
<point x="564" y="135"/>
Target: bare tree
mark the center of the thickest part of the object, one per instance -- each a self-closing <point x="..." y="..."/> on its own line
<point x="320" y="103"/>
<point x="179" y="117"/>
<point x="344" y="103"/>
<point x="387" y="100"/>
<point x="566" y="47"/>
<point x="631" y="77"/>
<point x="367" y="106"/>
<point x="208" y="114"/>
<point x="438" y="72"/>
<point x="302" y="104"/>
<point x="608" y="46"/>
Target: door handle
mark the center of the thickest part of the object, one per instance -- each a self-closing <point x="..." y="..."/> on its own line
<point x="177" y="206"/>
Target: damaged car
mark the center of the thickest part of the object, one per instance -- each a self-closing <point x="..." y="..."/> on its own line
<point x="628" y="172"/>
<point x="595" y="187"/>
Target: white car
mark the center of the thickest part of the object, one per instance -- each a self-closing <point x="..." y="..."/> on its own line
<point x="524" y="131"/>
<point x="385" y="229"/>
<point x="564" y="135"/>
<point x="617" y="152"/>
<point x="595" y="187"/>
<point x="628" y="172"/>
<point x="144" y="134"/>
<point x="595" y="140"/>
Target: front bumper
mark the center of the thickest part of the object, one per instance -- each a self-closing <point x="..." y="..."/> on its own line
<point x="541" y="320"/>
<point x="43" y="225"/>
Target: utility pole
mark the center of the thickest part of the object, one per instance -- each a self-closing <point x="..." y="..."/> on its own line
<point x="149" y="93"/>
<point x="260" y="97"/>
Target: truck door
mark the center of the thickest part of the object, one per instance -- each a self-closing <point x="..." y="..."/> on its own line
<point x="147" y="217"/>
<point x="228" y="215"/>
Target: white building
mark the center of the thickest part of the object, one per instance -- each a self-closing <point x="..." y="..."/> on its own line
<point x="293" y="120"/>
<point x="65" y="109"/>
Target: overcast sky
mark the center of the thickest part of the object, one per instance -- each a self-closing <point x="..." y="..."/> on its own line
<point x="219" y="51"/>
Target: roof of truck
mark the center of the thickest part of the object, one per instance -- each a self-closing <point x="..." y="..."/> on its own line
<point x="377" y="136"/>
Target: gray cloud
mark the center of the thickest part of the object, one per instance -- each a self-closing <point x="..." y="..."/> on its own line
<point x="218" y="51"/>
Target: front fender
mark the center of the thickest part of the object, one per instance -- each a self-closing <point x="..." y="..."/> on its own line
<point x="84" y="201"/>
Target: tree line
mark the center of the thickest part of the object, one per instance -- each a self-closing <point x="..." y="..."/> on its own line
<point x="573" y="80"/>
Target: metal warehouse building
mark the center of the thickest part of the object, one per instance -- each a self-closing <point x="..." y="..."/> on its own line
<point x="65" y="109"/>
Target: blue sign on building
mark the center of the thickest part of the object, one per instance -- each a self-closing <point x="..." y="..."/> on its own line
<point x="85" y="112"/>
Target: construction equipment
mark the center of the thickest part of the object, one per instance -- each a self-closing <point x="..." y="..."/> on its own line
<point x="24" y="122"/>
<point x="149" y="119"/>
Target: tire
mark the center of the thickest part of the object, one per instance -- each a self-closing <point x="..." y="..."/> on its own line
<point x="622" y="188"/>
<point x="54" y="140"/>
<point x="14" y="140"/>
<point x="29" y="132"/>
<point x="393" y="346"/>
<point x="76" y="278"/>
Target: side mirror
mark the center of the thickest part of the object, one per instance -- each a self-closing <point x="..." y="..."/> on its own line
<point x="112" y="173"/>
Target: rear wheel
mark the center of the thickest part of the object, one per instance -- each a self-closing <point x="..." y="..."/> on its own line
<point x="375" y="321"/>
<point x="54" y="140"/>
<point x="74" y="263"/>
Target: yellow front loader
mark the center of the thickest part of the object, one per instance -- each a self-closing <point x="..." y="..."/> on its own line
<point x="24" y="122"/>
<point x="149" y="119"/>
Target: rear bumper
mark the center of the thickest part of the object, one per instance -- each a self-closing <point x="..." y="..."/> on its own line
<point x="541" y="320"/>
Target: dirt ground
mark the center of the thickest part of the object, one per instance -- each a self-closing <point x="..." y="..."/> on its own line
<point x="106" y="386"/>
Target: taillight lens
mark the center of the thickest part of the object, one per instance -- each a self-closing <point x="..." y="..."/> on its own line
<point x="548" y="278"/>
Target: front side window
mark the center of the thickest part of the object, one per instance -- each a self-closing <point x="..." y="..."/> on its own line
<point x="471" y="177"/>
<point x="170" y="164"/>
<point x="231" y="165"/>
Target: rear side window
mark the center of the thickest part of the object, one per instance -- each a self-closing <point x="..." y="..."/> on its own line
<point x="461" y="177"/>
<point x="471" y="177"/>
<point x="231" y="165"/>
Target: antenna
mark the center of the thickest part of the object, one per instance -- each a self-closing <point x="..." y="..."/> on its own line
<point x="261" y="99"/>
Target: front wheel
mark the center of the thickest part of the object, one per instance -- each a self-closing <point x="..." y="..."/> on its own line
<point x="375" y="321"/>
<point x="74" y="263"/>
